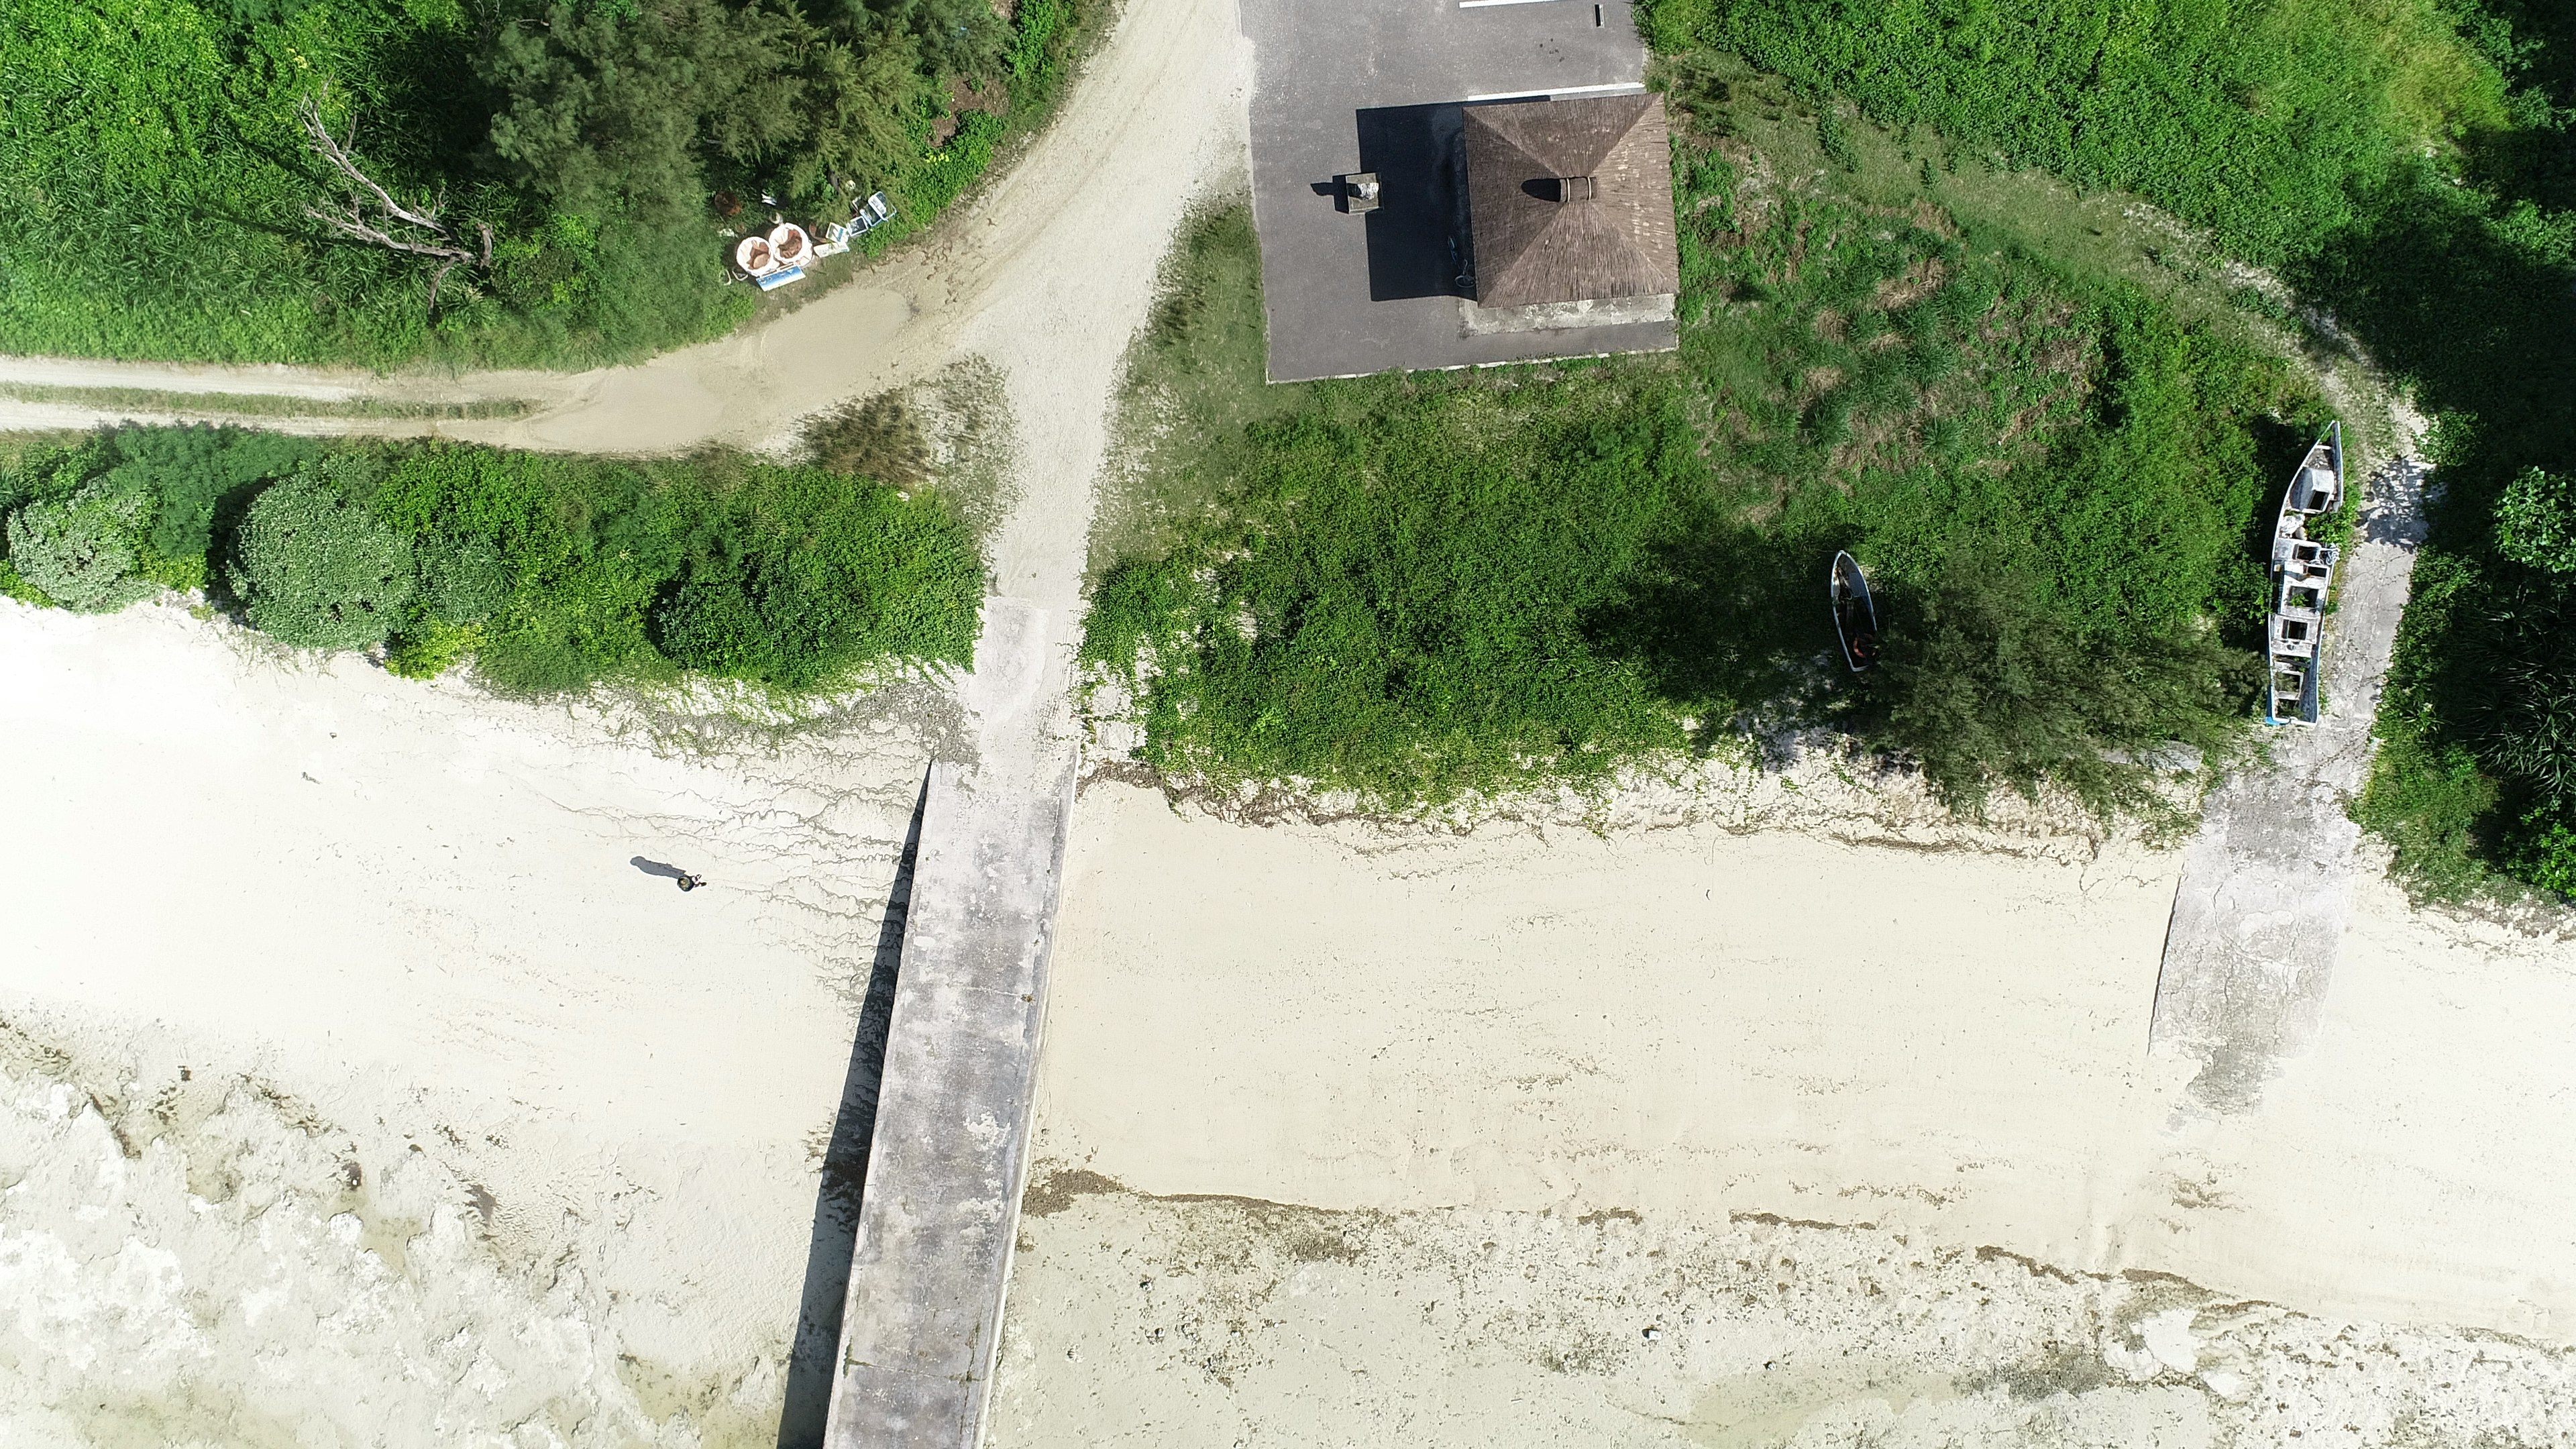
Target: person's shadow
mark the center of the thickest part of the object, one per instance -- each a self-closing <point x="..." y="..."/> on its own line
<point x="845" y="1173"/>
<point x="660" y="868"/>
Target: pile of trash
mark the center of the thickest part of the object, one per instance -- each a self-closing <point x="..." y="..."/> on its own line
<point x="775" y="258"/>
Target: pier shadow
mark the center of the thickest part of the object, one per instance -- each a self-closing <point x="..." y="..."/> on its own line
<point x="845" y="1173"/>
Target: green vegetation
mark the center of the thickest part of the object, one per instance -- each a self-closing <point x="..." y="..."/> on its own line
<point x="2536" y="522"/>
<point x="555" y="173"/>
<point x="314" y="565"/>
<point x="2403" y="163"/>
<point x="549" y="573"/>
<point x="1419" y="588"/>
<point x="227" y="405"/>
<point x="2268" y="120"/>
<point x="83" y="550"/>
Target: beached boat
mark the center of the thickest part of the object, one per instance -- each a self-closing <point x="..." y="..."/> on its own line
<point x="1855" y="613"/>
<point x="2302" y="575"/>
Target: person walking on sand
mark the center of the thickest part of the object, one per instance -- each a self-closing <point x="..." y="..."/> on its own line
<point x="690" y="882"/>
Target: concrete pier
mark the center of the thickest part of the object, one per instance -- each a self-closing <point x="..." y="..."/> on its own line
<point x="945" y="1169"/>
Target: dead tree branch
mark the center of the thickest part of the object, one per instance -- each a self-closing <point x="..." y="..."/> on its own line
<point x="349" y="223"/>
<point x="424" y="234"/>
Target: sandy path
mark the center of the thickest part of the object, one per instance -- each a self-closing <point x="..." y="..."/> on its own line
<point x="1359" y="1141"/>
<point x="933" y="1247"/>
<point x="1067" y="225"/>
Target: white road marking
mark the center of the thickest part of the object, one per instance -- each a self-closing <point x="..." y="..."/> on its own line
<point x="1556" y="90"/>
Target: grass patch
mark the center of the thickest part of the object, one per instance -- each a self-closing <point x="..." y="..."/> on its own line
<point x="1420" y="588"/>
<point x="259" y="404"/>
<point x="2266" y="120"/>
<point x="549" y="573"/>
<point x="1194" y="383"/>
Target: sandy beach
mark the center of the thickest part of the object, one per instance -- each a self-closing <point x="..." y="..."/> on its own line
<point x="1426" y="1135"/>
<point x="391" y="1090"/>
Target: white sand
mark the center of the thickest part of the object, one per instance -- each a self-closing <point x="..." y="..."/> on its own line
<point x="404" y="917"/>
<point x="1623" y="1060"/>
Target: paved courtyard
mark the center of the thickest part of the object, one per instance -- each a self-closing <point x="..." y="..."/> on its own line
<point x="1381" y="87"/>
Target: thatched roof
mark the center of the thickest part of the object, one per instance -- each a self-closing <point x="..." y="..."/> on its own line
<point x="1570" y="200"/>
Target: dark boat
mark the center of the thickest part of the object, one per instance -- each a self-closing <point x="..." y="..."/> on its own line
<point x="1855" y="613"/>
<point x="2302" y="574"/>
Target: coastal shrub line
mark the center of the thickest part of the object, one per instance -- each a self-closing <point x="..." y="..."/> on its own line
<point x="549" y="573"/>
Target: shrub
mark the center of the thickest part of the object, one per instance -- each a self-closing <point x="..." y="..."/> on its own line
<point x="2518" y="699"/>
<point x="807" y="576"/>
<point x="585" y="544"/>
<point x="316" y="567"/>
<point x="430" y="649"/>
<point x="2543" y="851"/>
<point x="83" y="551"/>
<point x="463" y="580"/>
<point x="2536" y="521"/>
<point x="2427" y="801"/>
<point x="196" y="473"/>
<point x="1986" y="685"/>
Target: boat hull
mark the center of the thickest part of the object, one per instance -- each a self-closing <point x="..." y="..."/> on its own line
<point x="1855" y="613"/>
<point x="2303" y="566"/>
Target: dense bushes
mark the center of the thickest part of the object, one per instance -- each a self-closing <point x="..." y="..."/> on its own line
<point x="1398" y="604"/>
<point x="549" y="572"/>
<point x="316" y="567"/>
<point x="156" y="180"/>
<point x="83" y="550"/>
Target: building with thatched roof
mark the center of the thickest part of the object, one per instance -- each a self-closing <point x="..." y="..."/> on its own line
<point x="1570" y="200"/>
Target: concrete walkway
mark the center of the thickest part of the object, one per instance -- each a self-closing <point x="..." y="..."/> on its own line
<point x="946" y="1165"/>
<point x="2267" y="883"/>
<point x="938" y="1214"/>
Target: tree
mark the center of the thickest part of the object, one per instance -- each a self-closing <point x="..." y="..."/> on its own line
<point x="607" y="105"/>
<point x="316" y="567"/>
